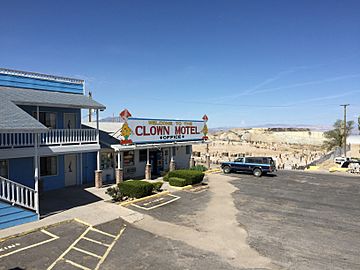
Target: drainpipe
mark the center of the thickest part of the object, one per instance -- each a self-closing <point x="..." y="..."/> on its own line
<point x="119" y="170"/>
<point x="148" y="165"/>
<point x="36" y="173"/>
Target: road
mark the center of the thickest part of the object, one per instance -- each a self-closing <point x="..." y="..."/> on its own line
<point x="295" y="220"/>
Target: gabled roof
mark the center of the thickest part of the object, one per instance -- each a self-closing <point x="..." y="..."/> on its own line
<point x="14" y="119"/>
<point x="22" y="96"/>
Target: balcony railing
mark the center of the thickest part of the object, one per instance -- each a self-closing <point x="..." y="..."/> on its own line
<point x="51" y="137"/>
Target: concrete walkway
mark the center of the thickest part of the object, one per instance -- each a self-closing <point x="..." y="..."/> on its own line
<point x="93" y="213"/>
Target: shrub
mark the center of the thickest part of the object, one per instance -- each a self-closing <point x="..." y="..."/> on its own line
<point x="115" y="193"/>
<point x="191" y="176"/>
<point x="200" y="168"/>
<point x="157" y="186"/>
<point x="177" y="182"/>
<point x="136" y="188"/>
<point x="166" y="177"/>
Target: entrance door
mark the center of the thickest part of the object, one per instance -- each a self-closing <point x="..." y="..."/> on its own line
<point x="70" y="170"/>
<point x="69" y="120"/>
<point x="156" y="161"/>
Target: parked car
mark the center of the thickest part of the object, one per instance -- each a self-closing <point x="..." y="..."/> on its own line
<point x="339" y="160"/>
<point x="256" y="165"/>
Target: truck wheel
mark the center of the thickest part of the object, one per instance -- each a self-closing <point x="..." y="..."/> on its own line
<point x="257" y="172"/>
<point x="226" y="169"/>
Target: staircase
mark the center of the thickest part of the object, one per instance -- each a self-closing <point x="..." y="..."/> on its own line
<point x="11" y="215"/>
<point x="18" y="204"/>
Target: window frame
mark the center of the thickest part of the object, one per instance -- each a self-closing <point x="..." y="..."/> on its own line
<point x="47" y="112"/>
<point x="57" y="167"/>
<point x="7" y="168"/>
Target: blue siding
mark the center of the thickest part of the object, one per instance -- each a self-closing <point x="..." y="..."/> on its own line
<point x="40" y="84"/>
<point x="59" y="114"/>
<point x="89" y="167"/>
<point x="21" y="170"/>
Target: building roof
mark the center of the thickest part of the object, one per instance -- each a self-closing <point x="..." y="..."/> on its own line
<point x="22" y="96"/>
<point x="14" y="119"/>
<point x="353" y="139"/>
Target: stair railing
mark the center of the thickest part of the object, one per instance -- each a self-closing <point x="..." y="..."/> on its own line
<point x="17" y="194"/>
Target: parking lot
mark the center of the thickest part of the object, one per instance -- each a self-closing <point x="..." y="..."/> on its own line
<point x="294" y="220"/>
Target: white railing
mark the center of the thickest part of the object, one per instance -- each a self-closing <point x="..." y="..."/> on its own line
<point x="18" y="194"/>
<point x="50" y="137"/>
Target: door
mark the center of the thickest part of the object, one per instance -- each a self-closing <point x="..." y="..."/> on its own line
<point x="69" y="120"/>
<point x="70" y="170"/>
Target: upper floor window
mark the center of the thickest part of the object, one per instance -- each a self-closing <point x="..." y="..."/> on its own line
<point x="48" y="119"/>
<point x="4" y="168"/>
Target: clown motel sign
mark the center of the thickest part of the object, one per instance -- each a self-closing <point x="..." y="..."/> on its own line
<point x="139" y="130"/>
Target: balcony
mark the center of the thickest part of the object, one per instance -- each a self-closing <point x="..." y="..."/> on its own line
<point x="53" y="141"/>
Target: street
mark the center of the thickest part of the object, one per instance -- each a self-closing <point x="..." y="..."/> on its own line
<point x="294" y="220"/>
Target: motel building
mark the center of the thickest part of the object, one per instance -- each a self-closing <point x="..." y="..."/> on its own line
<point x="43" y="145"/>
<point x="138" y="148"/>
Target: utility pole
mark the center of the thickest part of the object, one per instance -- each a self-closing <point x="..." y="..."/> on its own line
<point x="345" y="127"/>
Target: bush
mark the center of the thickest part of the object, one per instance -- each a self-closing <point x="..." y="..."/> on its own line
<point x="136" y="188"/>
<point x="200" y="168"/>
<point x="177" y="182"/>
<point x="166" y="177"/>
<point x="115" y="193"/>
<point x="191" y="176"/>
<point x="157" y="186"/>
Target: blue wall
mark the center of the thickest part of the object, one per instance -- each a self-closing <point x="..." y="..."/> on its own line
<point x="40" y="84"/>
<point x="59" y="114"/>
<point x="21" y="170"/>
<point x="89" y="167"/>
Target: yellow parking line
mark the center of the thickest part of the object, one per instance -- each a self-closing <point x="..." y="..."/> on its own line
<point x="104" y="233"/>
<point x="76" y="264"/>
<point x="87" y="252"/>
<point x="69" y="248"/>
<point x="94" y="241"/>
<point x="54" y="237"/>
<point x="109" y="248"/>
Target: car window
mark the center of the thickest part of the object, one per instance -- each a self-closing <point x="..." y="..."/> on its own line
<point x="239" y="160"/>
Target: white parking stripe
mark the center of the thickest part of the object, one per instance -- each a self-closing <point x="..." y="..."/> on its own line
<point x="76" y="264"/>
<point x="149" y="208"/>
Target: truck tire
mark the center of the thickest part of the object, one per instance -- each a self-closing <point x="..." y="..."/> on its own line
<point x="257" y="172"/>
<point x="226" y="169"/>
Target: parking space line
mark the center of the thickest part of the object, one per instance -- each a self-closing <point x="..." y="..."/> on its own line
<point x="69" y="248"/>
<point x="110" y="247"/>
<point x="94" y="241"/>
<point x="87" y="252"/>
<point x="53" y="237"/>
<point x="153" y="207"/>
<point x="104" y="233"/>
<point x="76" y="264"/>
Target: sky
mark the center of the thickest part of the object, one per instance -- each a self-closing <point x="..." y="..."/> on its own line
<point x="243" y="63"/>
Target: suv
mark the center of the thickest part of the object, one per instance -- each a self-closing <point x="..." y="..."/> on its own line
<point x="256" y="165"/>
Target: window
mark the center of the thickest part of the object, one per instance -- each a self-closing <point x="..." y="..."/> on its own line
<point x="128" y="158"/>
<point x="48" y="119"/>
<point x="142" y="155"/>
<point x="107" y="161"/>
<point x="188" y="149"/>
<point x="241" y="160"/>
<point x="4" y="168"/>
<point x="48" y="166"/>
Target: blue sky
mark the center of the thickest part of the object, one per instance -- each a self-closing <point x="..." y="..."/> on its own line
<point x="243" y="63"/>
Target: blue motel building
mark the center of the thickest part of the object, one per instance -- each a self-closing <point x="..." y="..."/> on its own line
<point x="43" y="145"/>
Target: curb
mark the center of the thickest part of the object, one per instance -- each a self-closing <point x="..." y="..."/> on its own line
<point x="182" y="188"/>
<point x="144" y="198"/>
<point x="212" y="171"/>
